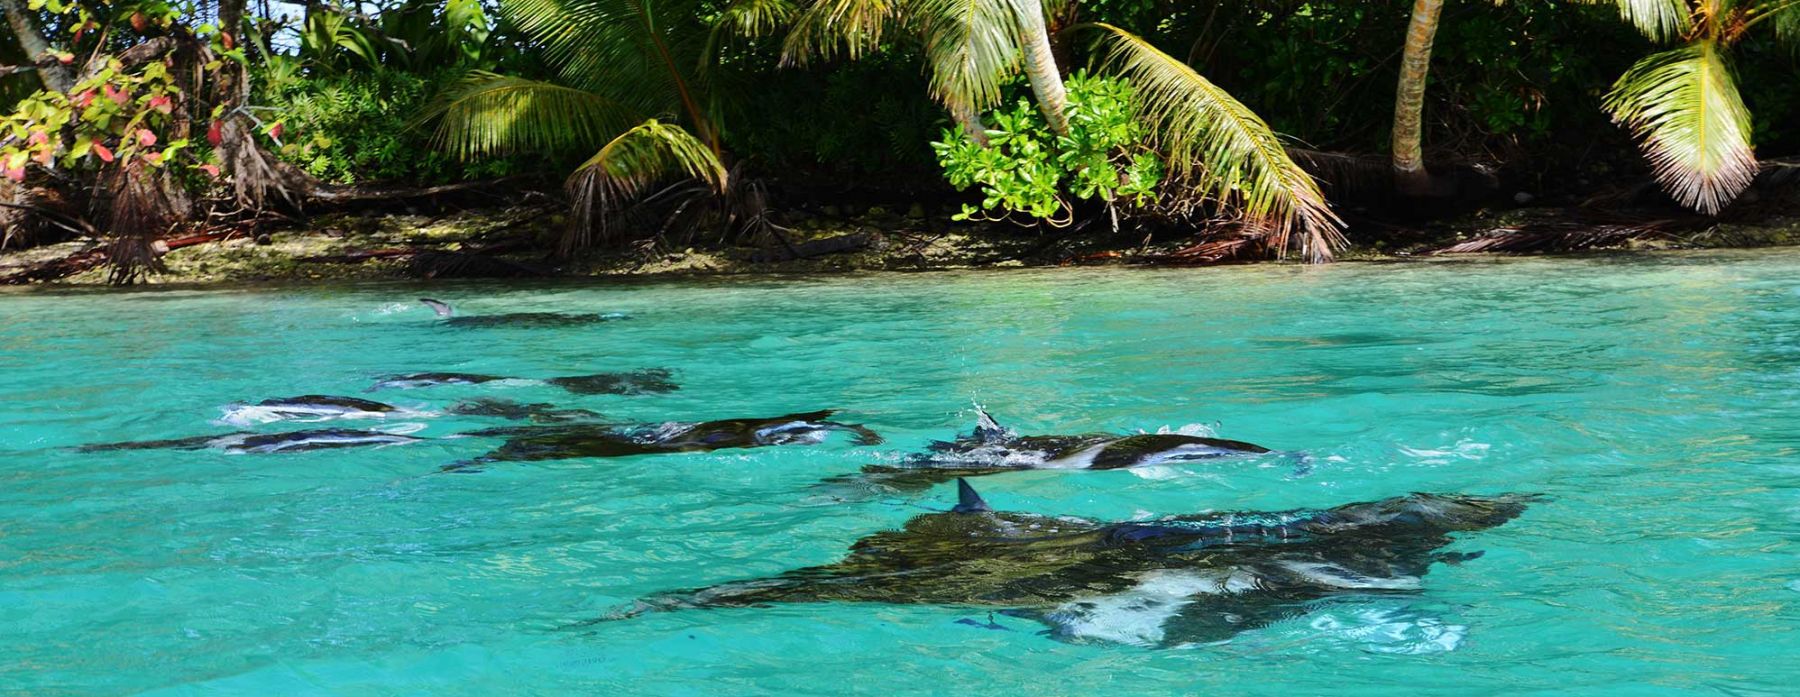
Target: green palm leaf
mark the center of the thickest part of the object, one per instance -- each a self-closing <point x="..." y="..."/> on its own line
<point x="1660" y="20"/>
<point x="972" y="47"/>
<point x="627" y="165"/>
<point x="750" y="19"/>
<point x="642" y="52"/>
<point x="1690" y="122"/>
<point x="829" y="28"/>
<point x="1223" y="149"/>
<point x="488" y="114"/>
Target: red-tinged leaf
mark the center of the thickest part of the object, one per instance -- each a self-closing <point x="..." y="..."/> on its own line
<point x="154" y="158"/>
<point x="211" y="170"/>
<point x="84" y="99"/>
<point x="44" y="156"/>
<point x="118" y="96"/>
<point x="66" y="58"/>
<point x="38" y="138"/>
<point x="145" y="137"/>
<point x="215" y="133"/>
<point x="226" y="40"/>
<point x="139" y="22"/>
<point x="15" y="173"/>
<point x="276" y="130"/>
<point x="104" y="154"/>
<point x="162" y="104"/>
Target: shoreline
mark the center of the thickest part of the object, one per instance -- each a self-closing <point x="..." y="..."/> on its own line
<point x="465" y="245"/>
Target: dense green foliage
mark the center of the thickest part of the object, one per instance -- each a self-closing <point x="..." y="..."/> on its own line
<point x="362" y="126"/>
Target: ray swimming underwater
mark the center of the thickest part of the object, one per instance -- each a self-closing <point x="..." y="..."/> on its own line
<point x="559" y="442"/>
<point x="1173" y="581"/>
<point x="992" y="448"/>
<point x="636" y="382"/>
<point x="293" y="441"/>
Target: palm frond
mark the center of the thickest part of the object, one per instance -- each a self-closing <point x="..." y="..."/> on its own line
<point x="489" y="114"/>
<point x="624" y="168"/>
<point x="1660" y="20"/>
<point x="971" y="46"/>
<point x="745" y="19"/>
<point x="636" y="51"/>
<point x="1786" y="16"/>
<point x="826" y="29"/>
<point x="753" y="19"/>
<point x="1691" y="123"/>
<point x="1223" y="149"/>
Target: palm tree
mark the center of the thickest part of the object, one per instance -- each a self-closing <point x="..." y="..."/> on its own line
<point x="1683" y="105"/>
<point x="631" y="89"/>
<point x="1410" y="175"/>
<point x="1218" y="148"/>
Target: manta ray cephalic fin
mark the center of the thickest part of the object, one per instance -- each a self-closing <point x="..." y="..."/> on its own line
<point x="442" y="308"/>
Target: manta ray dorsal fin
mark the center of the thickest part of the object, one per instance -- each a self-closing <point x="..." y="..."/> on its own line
<point x="968" y="500"/>
<point x="986" y="428"/>
<point x="440" y="307"/>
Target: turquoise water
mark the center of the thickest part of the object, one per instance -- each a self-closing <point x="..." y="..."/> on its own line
<point x="1652" y="398"/>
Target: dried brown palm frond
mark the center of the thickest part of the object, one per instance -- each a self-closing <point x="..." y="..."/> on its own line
<point x="142" y="210"/>
<point x="1561" y="235"/>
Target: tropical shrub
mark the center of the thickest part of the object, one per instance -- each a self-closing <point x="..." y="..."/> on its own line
<point x="114" y="117"/>
<point x="1027" y="169"/>
<point x="359" y="126"/>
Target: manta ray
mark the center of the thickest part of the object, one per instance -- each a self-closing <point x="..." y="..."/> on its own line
<point x="449" y="317"/>
<point x="637" y="382"/>
<point x="312" y="407"/>
<point x="993" y="448"/>
<point x="1173" y="581"/>
<point x="566" y="441"/>
<point x="294" y="441"/>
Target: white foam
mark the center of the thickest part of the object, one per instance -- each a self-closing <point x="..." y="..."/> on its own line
<point x="1464" y="449"/>
<point x="1388" y="630"/>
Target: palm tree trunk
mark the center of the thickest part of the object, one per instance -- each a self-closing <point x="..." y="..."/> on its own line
<point x="257" y="177"/>
<point x="55" y="76"/>
<point x="1040" y="66"/>
<point x="1410" y="175"/>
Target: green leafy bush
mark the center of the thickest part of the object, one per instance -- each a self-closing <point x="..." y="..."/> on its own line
<point x="358" y="126"/>
<point x="1027" y="169"/>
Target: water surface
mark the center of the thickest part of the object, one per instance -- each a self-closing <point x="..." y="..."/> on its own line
<point x="1652" y="398"/>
